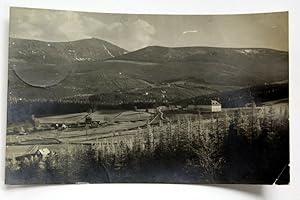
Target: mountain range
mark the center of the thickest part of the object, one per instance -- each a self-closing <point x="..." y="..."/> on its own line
<point x="89" y="67"/>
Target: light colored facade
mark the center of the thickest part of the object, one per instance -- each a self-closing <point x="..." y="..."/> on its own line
<point x="215" y="106"/>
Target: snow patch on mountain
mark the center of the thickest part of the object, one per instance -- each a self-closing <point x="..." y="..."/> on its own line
<point x="108" y="51"/>
<point x="248" y="51"/>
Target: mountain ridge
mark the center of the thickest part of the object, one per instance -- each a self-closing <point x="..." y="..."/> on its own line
<point x="44" y="52"/>
<point x="183" y="72"/>
<point x="144" y="53"/>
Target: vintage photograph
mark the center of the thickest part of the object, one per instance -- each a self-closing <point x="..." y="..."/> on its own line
<point x="140" y="98"/>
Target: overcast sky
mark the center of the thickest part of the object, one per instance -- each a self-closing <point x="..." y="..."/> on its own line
<point x="137" y="31"/>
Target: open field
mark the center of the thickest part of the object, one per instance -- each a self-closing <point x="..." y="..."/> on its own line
<point x="113" y="116"/>
<point x="123" y="126"/>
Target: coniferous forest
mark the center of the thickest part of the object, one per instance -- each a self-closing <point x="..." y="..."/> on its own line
<point x="244" y="146"/>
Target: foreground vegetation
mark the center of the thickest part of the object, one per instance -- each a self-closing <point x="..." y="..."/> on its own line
<point x="248" y="146"/>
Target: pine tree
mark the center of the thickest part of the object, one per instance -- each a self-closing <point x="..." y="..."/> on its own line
<point x="149" y="138"/>
<point x="254" y="124"/>
<point x="227" y="120"/>
<point x="241" y="123"/>
<point x="268" y="121"/>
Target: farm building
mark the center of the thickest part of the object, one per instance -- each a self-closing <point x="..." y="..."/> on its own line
<point x="96" y="118"/>
<point x="35" y="153"/>
<point x="69" y="119"/>
<point x="175" y="107"/>
<point x="162" y="108"/>
<point x="61" y="119"/>
<point x="45" y="152"/>
<point x="207" y="106"/>
<point x="148" y="110"/>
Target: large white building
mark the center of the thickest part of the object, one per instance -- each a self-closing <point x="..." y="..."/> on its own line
<point x="215" y="106"/>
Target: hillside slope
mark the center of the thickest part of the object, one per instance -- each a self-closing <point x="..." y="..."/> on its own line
<point x="153" y="73"/>
<point x="35" y="51"/>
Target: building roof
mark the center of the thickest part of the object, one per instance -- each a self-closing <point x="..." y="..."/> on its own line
<point x="214" y="102"/>
<point x="206" y="101"/>
<point x="63" y="119"/>
<point x="44" y="151"/>
<point x="71" y="118"/>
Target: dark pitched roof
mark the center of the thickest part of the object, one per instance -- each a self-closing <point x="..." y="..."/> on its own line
<point x="206" y="101"/>
<point x="214" y="102"/>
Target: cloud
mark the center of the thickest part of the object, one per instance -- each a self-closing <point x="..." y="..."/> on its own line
<point x="192" y="31"/>
<point x="136" y="31"/>
<point x="143" y="32"/>
<point x="67" y="26"/>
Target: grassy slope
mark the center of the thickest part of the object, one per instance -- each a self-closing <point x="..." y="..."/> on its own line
<point x="34" y="51"/>
<point x="182" y="72"/>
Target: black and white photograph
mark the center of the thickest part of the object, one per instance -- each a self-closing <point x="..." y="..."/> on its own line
<point x="147" y="98"/>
